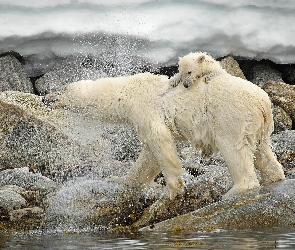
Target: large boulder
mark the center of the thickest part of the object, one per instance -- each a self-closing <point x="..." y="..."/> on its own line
<point x="33" y="136"/>
<point x="13" y="76"/>
<point x="22" y="198"/>
<point x="269" y="206"/>
<point x="284" y="146"/>
<point x="282" y="121"/>
<point x="282" y="95"/>
<point x="289" y="74"/>
<point x="232" y="67"/>
<point x="262" y="73"/>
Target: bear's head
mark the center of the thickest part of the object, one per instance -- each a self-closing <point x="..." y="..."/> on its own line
<point x="70" y="96"/>
<point x="194" y="66"/>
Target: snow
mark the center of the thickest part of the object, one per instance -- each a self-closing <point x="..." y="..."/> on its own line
<point x="160" y="30"/>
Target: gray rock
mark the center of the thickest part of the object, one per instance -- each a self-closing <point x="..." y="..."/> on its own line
<point x="282" y="121"/>
<point x="76" y="200"/>
<point x="282" y="95"/>
<point x="284" y="146"/>
<point x="232" y="67"/>
<point x="22" y="178"/>
<point x="10" y="200"/>
<point x="289" y="74"/>
<point x="269" y="206"/>
<point x="263" y="73"/>
<point x="24" y="214"/>
<point x="199" y="192"/>
<point x="13" y="76"/>
<point x="32" y="135"/>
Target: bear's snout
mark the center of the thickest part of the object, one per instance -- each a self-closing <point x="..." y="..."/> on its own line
<point x="186" y="84"/>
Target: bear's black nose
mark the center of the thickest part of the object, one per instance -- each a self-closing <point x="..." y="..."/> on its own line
<point x="186" y="83"/>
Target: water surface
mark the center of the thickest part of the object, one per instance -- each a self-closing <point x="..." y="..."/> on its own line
<point x="274" y="238"/>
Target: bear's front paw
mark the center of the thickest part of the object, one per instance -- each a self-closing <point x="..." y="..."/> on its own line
<point x="174" y="81"/>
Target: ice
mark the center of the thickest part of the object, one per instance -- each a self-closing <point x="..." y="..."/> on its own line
<point x="164" y="30"/>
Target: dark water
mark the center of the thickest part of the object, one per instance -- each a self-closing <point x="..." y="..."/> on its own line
<point x="265" y="239"/>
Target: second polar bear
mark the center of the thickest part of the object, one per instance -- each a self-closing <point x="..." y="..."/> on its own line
<point x="211" y="109"/>
<point x="231" y="115"/>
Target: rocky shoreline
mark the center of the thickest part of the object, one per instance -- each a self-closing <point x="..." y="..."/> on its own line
<point x="54" y="164"/>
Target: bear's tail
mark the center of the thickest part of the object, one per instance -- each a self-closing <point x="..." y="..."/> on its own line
<point x="268" y="122"/>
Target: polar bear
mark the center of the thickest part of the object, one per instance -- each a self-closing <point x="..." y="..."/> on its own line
<point x="231" y="115"/>
<point x="211" y="109"/>
<point x="136" y="100"/>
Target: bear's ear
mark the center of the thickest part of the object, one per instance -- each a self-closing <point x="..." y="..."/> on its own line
<point x="201" y="59"/>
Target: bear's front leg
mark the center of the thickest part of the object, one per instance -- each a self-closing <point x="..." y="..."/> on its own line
<point x="161" y="143"/>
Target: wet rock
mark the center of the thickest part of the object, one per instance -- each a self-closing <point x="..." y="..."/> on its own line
<point x="232" y="67"/>
<point x="282" y="121"/>
<point x="79" y="204"/>
<point x="269" y="206"/>
<point x="25" y="194"/>
<point x="282" y="95"/>
<point x="120" y="210"/>
<point x="22" y="178"/>
<point x="263" y="73"/>
<point x="10" y="200"/>
<point x="199" y="192"/>
<point x="13" y="188"/>
<point x="33" y="136"/>
<point x="13" y="76"/>
<point x="284" y="146"/>
<point x="25" y="214"/>
<point x="55" y="79"/>
<point x="125" y="143"/>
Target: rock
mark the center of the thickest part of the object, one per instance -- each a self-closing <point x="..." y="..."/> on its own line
<point x="263" y="73"/>
<point x="282" y="121"/>
<point x="34" y="136"/>
<point x="13" y="188"/>
<point x="54" y="80"/>
<point x="199" y="192"/>
<point x="282" y="95"/>
<point x="22" y="178"/>
<point x="289" y="74"/>
<point x="77" y="202"/>
<point x="232" y="67"/>
<point x="284" y="146"/>
<point x="22" y="215"/>
<point x="125" y="144"/>
<point x="269" y="206"/>
<point x="13" y="76"/>
<point x="131" y="207"/>
<point x="10" y="200"/>
<point x="31" y="193"/>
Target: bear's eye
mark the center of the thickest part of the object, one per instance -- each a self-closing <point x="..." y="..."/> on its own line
<point x="189" y="72"/>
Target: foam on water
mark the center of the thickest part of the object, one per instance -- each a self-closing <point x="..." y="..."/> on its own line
<point x="166" y="29"/>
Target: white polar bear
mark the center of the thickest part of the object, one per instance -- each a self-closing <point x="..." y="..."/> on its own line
<point x="229" y="114"/>
<point x="215" y="111"/>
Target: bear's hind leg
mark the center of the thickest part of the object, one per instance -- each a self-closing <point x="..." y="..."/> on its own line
<point x="240" y="164"/>
<point x="265" y="161"/>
